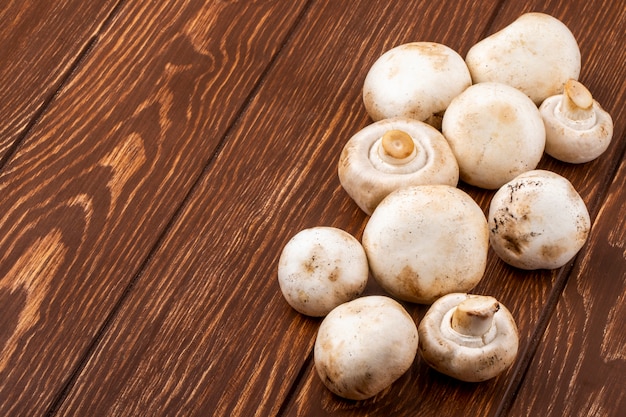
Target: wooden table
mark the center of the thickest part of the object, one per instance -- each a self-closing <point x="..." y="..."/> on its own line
<point x="156" y="156"/>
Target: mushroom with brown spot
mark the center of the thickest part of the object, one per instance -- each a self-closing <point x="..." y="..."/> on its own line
<point x="537" y="54"/>
<point x="394" y="153"/>
<point x="426" y="241"/>
<point x="538" y="221"/>
<point x="578" y="129"/>
<point x="415" y="80"/>
<point x="495" y="132"/>
<point x="321" y="268"/>
<point x="364" y="345"/>
<point x="472" y="338"/>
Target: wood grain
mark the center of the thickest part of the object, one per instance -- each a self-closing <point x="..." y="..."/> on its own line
<point x="580" y="365"/>
<point x="145" y="211"/>
<point x="99" y="177"/>
<point x="39" y="48"/>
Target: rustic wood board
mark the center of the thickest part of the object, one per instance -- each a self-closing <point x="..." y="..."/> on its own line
<point x="144" y="213"/>
<point x="39" y="48"/>
<point x="99" y="177"/>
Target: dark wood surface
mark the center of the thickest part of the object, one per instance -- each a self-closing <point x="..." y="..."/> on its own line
<point x="155" y="157"/>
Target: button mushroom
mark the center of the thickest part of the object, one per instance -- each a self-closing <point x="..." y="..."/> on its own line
<point x="320" y="268"/>
<point x="577" y="129"/>
<point x="469" y="337"/>
<point x="426" y="241"/>
<point x="391" y="154"/>
<point x="496" y="133"/>
<point x="536" y="54"/>
<point x="415" y="80"/>
<point x="538" y="221"/>
<point x="363" y="346"/>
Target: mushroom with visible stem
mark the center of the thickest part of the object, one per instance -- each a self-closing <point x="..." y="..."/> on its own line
<point x="496" y="133"/>
<point x="415" y="80"/>
<point x="536" y="54"/>
<point x="364" y="345"/>
<point x="426" y="241"/>
<point x="391" y="154"/>
<point x="469" y="337"/>
<point x="321" y="268"/>
<point x="578" y="130"/>
<point x="538" y="221"/>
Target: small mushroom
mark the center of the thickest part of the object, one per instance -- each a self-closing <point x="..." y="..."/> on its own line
<point x="415" y="80"/>
<point x="391" y="154"/>
<point x="538" y="221"/>
<point x="472" y="338"/>
<point x="536" y="54"/>
<point x="496" y="133"/>
<point x="364" y="345"/>
<point x="321" y="268"/>
<point x="426" y="241"/>
<point x="578" y="130"/>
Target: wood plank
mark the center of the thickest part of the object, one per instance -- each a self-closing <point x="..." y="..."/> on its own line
<point x="40" y="42"/>
<point x="205" y="329"/>
<point x="580" y="367"/>
<point x="88" y="195"/>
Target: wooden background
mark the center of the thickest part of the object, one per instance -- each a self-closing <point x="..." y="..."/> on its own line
<point x="156" y="156"/>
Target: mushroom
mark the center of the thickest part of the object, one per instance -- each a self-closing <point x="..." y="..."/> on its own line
<point x="320" y="268"/>
<point x="496" y="133"/>
<point x="577" y="129"/>
<point x="538" y="221"/>
<point x="426" y="241"/>
<point x="416" y="80"/>
<point x="364" y="345"/>
<point x="391" y="154"/>
<point x="536" y="54"/>
<point x="468" y="337"/>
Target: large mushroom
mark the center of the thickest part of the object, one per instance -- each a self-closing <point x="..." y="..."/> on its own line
<point x="578" y="129"/>
<point x="391" y="154"/>
<point x="415" y="80"/>
<point x="363" y="346"/>
<point x="536" y="54"/>
<point x="496" y="133"/>
<point x="538" y="221"/>
<point x="426" y="241"/>
<point x="472" y="338"/>
<point x="320" y="268"/>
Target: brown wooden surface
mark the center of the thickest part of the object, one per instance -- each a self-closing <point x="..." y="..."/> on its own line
<point x="159" y="155"/>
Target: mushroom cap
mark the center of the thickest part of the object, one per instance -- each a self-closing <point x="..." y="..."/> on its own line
<point x="536" y="54"/>
<point x="496" y="133"/>
<point x="364" y="345"/>
<point x="538" y="221"/>
<point x="575" y="135"/>
<point x="368" y="178"/>
<point x="426" y="241"/>
<point x="470" y="358"/>
<point x="416" y="80"/>
<point x="320" y="268"/>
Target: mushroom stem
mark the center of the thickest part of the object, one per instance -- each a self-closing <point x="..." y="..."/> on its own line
<point x="577" y="105"/>
<point x="398" y="144"/>
<point x="474" y="316"/>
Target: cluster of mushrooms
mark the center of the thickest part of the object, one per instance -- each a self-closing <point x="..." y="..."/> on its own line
<point x="437" y="119"/>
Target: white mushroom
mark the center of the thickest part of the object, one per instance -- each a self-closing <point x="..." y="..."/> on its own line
<point x="320" y="268"/>
<point x="416" y="80"/>
<point x="426" y="241"/>
<point x="363" y="346"/>
<point x="538" y="221"/>
<point x="536" y="54"/>
<point x="391" y="154"/>
<point x="577" y="129"/>
<point x="468" y="337"/>
<point x="496" y="133"/>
